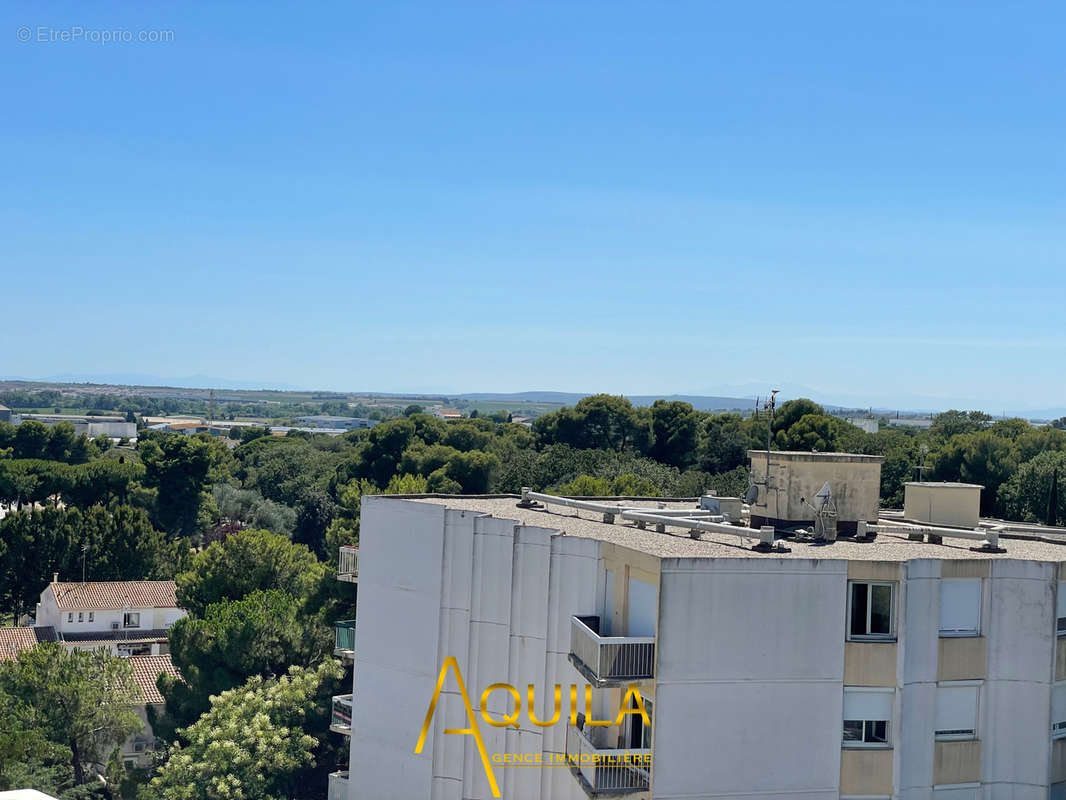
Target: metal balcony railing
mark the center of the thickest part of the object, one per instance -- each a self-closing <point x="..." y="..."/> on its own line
<point x="338" y="786"/>
<point x="348" y="564"/>
<point x="345" y="639"/>
<point x="341" y="719"/>
<point x="611" y="658"/>
<point x="606" y="770"/>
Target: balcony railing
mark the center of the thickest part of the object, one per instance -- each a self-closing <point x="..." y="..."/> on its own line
<point x="345" y="639"/>
<point x="610" y="658"/>
<point x="348" y="564"/>
<point x="338" y="786"/>
<point x="606" y="770"/>
<point x="341" y="719"/>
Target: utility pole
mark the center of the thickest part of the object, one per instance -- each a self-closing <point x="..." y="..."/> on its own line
<point x="770" y="405"/>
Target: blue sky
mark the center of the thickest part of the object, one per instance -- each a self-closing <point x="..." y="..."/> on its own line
<point x="868" y="199"/>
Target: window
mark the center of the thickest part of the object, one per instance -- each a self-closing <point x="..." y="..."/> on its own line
<point x="867" y="717"/>
<point x="1058" y="711"/>
<point x="70" y="617"/>
<point x="81" y="616"/>
<point x="90" y="616"/>
<point x="871" y="610"/>
<point x="960" y="606"/>
<point x="1060" y="613"/>
<point x="956" y="710"/>
<point x="131" y="619"/>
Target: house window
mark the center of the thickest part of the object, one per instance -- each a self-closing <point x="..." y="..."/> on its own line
<point x="70" y="617"/>
<point x="867" y="717"/>
<point x="90" y="616"/>
<point x="1060" y="613"/>
<point x="1058" y="711"/>
<point x="131" y="619"/>
<point x="871" y="610"/>
<point x="956" y="710"/>
<point x="960" y="606"/>
<point x="81" y="616"/>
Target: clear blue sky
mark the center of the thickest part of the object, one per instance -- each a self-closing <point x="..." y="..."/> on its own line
<point x="864" y="198"/>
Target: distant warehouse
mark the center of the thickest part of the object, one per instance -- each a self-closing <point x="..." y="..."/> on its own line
<point x="327" y="421"/>
<point x="91" y="426"/>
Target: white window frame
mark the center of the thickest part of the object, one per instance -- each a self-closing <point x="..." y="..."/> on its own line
<point x="849" y="744"/>
<point x="126" y="623"/>
<point x="1058" y="727"/>
<point x="90" y="616"/>
<point x="873" y="637"/>
<point x="1060" y="609"/>
<point x="958" y="633"/>
<point x="70" y="616"/>
<point x="942" y="788"/>
<point x="966" y="736"/>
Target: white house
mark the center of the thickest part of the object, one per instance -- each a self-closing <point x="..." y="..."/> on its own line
<point x="129" y="617"/>
<point x="874" y="667"/>
<point x="137" y="750"/>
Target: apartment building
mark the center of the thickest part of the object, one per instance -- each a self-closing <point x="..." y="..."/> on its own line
<point x="899" y="663"/>
<point x="131" y="618"/>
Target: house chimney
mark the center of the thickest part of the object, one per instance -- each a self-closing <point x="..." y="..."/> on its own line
<point x="55" y="577"/>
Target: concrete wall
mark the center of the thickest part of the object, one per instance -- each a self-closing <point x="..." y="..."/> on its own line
<point x="495" y="595"/>
<point x="749" y="686"/>
<point x="955" y="504"/>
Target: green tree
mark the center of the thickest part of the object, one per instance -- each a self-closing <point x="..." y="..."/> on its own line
<point x="245" y="562"/>
<point x="84" y="699"/>
<point x="981" y="458"/>
<point x="261" y="634"/>
<point x="177" y="466"/>
<point x="792" y="411"/>
<point x="674" y="433"/>
<point x="255" y="742"/>
<point x="952" y="423"/>
<point x="413" y="409"/>
<point x="31" y="439"/>
<point x="1027" y="492"/>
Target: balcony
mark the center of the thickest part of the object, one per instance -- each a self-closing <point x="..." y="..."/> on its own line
<point x="341" y="719"/>
<point x="338" y="786"/>
<point x="605" y="771"/>
<point x="348" y="564"/>
<point x="607" y="660"/>
<point x="344" y="648"/>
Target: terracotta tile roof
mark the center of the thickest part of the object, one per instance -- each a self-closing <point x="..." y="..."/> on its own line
<point x="114" y="595"/>
<point x="15" y="640"/>
<point x="146" y="669"/>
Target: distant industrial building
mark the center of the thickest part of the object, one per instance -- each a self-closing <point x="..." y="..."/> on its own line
<point x="868" y="424"/>
<point x="91" y="426"/>
<point x="343" y="423"/>
<point x="447" y="413"/>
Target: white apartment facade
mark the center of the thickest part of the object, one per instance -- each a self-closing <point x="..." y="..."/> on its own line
<point x="128" y="617"/>
<point x="891" y="669"/>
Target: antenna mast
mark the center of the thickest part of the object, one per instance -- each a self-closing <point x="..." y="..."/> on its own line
<point x="770" y="405"/>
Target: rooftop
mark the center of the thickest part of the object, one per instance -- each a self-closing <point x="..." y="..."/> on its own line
<point x="804" y="455"/>
<point x="114" y="595"/>
<point x="16" y="640"/>
<point x="946" y="485"/>
<point x="146" y="670"/>
<point x="1035" y="543"/>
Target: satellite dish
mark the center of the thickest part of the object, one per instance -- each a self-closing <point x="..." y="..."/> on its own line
<point x="825" y="494"/>
<point x="752" y="494"/>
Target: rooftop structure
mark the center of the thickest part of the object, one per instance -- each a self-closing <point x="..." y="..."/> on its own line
<point x="91" y="425"/>
<point x="146" y="671"/>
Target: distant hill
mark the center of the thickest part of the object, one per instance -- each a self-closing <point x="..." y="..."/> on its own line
<point x="699" y="402"/>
